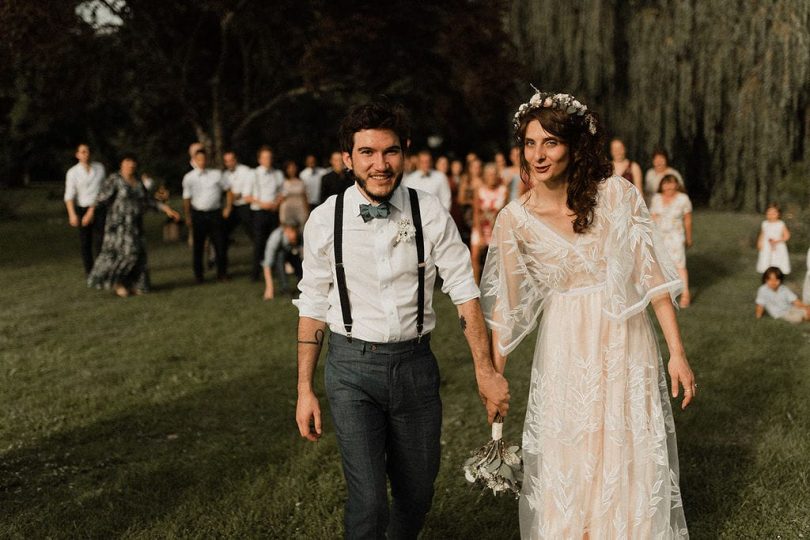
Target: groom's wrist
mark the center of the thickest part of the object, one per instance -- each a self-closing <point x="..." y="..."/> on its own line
<point x="305" y="388"/>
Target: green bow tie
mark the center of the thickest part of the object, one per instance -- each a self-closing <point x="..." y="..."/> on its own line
<point x="369" y="211"/>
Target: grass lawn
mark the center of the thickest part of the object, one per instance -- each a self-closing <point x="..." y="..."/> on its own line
<point x="171" y="415"/>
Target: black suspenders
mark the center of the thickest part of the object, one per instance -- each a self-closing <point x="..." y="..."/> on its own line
<point x="420" y="253"/>
<point x="341" y="272"/>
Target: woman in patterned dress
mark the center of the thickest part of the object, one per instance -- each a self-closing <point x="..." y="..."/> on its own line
<point x="122" y="265"/>
<point x="579" y="253"/>
<point x="672" y="211"/>
<point x="490" y="197"/>
<point x="295" y="207"/>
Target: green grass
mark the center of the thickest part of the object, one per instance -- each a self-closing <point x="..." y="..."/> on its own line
<point x="171" y="415"/>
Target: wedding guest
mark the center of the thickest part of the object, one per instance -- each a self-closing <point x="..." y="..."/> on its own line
<point x="82" y="183"/>
<point x="777" y="300"/>
<point x="283" y="248"/>
<point x="490" y="197"/>
<point x="381" y="377"/>
<point x="239" y="178"/>
<point x="192" y="151"/>
<point x="623" y="166"/>
<point x="511" y="175"/>
<point x="294" y="208"/>
<point x="672" y="211"/>
<point x="266" y="197"/>
<point x="336" y="180"/>
<point x="579" y="253"/>
<point x="454" y="181"/>
<point x="429" y="180"/>
<point x="122" y="263"/>
<point x="500" y="163"/>
<point x="660" y="168"/>
<point x="312" y="176"/>
<point x="205" y="217"/>
<point x="470" y="182"/>
<point x="443" y="165"/>
<point x="772" y="241"/>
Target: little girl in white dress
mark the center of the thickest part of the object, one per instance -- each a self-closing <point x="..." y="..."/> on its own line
<point x="772" y="242"/>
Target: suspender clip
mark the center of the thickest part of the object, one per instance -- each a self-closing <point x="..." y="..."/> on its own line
<point x="419" y="337"/>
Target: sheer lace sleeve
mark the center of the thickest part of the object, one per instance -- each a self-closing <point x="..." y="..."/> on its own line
<point x="510" y="298"/>
<point x="638" y="267"/>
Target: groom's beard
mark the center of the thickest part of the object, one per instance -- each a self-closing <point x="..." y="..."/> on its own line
<point x="361" y="183"/>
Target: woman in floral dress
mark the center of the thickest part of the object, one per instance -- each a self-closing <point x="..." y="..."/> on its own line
<point x="121" y="265"/>
<point x="490" y="197"/>
<point x="579" y="253"/>
<point x="672" y="211"/>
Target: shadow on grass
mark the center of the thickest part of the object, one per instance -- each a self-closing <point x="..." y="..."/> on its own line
<point x="128" y="471"/>
<point x="706" y="269"/>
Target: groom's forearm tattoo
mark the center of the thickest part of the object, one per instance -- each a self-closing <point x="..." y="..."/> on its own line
<point x="317" y="341"/>
<point x="463" y="322"/>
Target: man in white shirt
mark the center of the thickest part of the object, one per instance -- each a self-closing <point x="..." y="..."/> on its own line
<point x="265" y="199"/>
<point x="430" y="180"/>
<point x="311" y="176"/>
<point x="363" y="278"/>
<point x="239" y="178"/>
<point x="202" y="201"/>
<point x="82" y="183"/>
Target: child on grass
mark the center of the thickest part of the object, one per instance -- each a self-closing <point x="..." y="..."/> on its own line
<point x="779" y="301"/>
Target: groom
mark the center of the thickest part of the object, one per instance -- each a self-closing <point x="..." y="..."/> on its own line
<point x="372" y="254"/>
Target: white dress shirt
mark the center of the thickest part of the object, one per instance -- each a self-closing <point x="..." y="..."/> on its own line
<point x="266" y="186"/>
<point x="312" y="180"/>
<point x="381" y="275"/>
<point x="204" y="187"/>
<point x="240" y="180"/>
<point x="82" y="185"/>
<point x="433" y="182"/>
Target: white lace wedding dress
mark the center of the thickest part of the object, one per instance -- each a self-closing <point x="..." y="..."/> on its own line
<point x="599" y="439"/>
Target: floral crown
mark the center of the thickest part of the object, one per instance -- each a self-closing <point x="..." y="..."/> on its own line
<point x="563" y="102"/>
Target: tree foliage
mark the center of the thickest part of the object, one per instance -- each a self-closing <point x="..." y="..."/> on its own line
<point x="724" y="85"/>
<point x="234" y="73"/>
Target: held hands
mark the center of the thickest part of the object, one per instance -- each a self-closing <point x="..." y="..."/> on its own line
<point x="73" y="219"/>
<point x="308" y="416"/>
<point x="680" y="372"/>
<point x="493" y="389"/>
<point x="87" y="219"/>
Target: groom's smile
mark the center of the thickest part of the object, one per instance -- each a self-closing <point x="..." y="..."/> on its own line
<point x="376" y="160"/>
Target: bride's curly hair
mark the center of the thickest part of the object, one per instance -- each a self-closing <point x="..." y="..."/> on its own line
<point x="588" y="164"/>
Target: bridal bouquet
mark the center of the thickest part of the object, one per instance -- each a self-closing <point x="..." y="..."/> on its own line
<point x="496" y="465"/>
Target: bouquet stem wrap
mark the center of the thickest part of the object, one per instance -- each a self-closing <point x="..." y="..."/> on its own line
<point x="496" y="465"/>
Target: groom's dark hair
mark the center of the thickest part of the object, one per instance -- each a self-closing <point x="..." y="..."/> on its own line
<point x="379" y="113"/>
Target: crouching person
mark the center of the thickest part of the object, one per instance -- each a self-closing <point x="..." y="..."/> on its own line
<point x="283" y="247"/>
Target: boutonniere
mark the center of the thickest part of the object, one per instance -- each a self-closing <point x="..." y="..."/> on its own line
<point x="405" y="231"/>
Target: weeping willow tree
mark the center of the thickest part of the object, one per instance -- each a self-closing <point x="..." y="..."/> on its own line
<point x="723" y="85"/>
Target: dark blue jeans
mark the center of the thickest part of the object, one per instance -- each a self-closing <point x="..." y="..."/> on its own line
<point x="387" y="414"/>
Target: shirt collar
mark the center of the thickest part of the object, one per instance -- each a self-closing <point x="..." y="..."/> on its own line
<point x="397" y="199"/>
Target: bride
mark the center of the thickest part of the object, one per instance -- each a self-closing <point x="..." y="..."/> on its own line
<point x="579" y="252"/>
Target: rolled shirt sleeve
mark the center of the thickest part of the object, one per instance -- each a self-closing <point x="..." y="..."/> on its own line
<point x="271" y="248"/>
<point x="313" y="302"/>
<point x="70" y="187"/>
<point x="187" y="186"/>
<point x="451" y="256"/>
